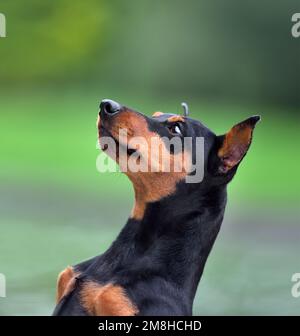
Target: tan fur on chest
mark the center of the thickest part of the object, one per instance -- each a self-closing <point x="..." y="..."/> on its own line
<point x="107" y="300"/>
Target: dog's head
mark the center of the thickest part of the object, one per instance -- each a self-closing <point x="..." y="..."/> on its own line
<point x="160" y="152"/>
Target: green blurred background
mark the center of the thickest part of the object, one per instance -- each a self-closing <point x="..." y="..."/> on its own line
<point x="227" y="59"/>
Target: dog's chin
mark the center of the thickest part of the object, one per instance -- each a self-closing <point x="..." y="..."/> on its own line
<point x="119" y="147"/>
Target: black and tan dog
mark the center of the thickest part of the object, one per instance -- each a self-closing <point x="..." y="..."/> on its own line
<point x="155" y="264"/>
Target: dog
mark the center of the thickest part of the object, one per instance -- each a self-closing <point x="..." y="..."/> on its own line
<point x="155" y="264"/>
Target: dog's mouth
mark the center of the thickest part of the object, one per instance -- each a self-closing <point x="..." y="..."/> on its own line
<point x="103" y="132"/>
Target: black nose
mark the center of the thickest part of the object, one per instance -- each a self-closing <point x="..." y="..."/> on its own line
<point x="109" y="106"/>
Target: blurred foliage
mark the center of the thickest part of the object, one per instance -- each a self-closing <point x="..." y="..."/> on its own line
<point x="48" y="41"/>
<point x="209" y="49"/>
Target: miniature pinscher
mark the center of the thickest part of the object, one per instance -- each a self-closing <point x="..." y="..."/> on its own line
<point x="156" y="262"/>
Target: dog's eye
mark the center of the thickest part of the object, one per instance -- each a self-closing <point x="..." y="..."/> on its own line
<point x="175" y="129"/>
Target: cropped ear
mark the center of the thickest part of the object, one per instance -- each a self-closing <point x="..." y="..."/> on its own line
<point x="235" y="144"/>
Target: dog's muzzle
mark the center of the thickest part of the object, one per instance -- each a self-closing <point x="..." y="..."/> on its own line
<point x="109" y="108"/>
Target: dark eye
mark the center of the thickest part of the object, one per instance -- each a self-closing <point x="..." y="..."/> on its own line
<point x="175" y="129"/>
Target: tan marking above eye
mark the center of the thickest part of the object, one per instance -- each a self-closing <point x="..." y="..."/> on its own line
<point x="176" y="118"/>
<point x="157" y="114"/>
<point x="106" y="300"/>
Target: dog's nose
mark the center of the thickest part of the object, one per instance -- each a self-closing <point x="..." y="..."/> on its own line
<point x="110" y="107"/>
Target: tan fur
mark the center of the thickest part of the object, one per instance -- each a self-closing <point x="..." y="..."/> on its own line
<point x="107" y="300"/>
<point x="176" y="118"/>
<point x="235" y="145"/>
<point x="157" y="114"/>
<point x="65" y="283"/>
<point x="151" y="187"/>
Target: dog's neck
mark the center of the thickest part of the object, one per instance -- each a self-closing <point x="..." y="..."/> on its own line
<point x="176" y="234"/>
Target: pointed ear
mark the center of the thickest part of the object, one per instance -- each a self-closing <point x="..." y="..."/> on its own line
<point x="235" y="144"/>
